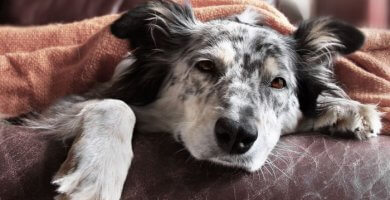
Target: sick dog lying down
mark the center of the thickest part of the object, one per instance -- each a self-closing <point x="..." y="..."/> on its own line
<point x="226" y="89"/>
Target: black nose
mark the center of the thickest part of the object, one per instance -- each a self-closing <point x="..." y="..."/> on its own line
<point x="234" y="137"/>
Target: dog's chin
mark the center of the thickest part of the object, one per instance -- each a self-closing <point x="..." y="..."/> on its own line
<point x="250" y="161"/>
<point x="247" y="164"/>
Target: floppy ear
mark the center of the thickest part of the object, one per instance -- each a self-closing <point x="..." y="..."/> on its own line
<point x="155" y="24"/>
<point x="326" y="35"/>
<point x="155" y="30"/>
<point x="317" y="43"/>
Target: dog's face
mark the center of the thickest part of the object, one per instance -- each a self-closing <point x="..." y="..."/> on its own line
<point x="226" y="88"/>
<point x="235" y="88"/>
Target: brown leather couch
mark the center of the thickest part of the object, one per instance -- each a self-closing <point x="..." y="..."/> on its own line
<point x="304" y="166"/>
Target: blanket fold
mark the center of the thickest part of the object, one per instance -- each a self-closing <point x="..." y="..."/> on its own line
<point x="40" y="64"/>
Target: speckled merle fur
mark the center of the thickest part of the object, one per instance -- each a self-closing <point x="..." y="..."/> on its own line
<point x="227" y="89"/>
<point x="163" y="85"/>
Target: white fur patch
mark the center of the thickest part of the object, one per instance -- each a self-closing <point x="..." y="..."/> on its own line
<point x="249" y="16"/>
<point x="223" y="50"/>
<point x="122" y="67"/>
<point x="102" y="153"/>
<point x="271" y="66"/>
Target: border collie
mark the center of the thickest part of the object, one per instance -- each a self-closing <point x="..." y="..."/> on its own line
<point x="227" y="89"/>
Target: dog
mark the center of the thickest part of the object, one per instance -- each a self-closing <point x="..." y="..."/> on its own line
<point x="227" y="89"/>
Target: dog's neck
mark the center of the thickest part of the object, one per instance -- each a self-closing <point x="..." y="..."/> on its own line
<point x="159" y="116"/>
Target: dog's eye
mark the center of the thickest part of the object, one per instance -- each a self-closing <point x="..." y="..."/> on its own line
<point x="205" y="66"/>
<point x="278" y="83"/>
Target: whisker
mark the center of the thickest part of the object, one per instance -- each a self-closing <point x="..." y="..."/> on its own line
<point x="181" y="150"/>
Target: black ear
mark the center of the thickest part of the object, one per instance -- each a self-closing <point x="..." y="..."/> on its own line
<point x="326" y="35"/>
<point x="155" y="24"/>
<point x="317" y="42"/>
<point x="155" y="30"/>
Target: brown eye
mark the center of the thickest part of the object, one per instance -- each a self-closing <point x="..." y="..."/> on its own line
<point x="278" y="83"/>
<point x="205" y="66"/>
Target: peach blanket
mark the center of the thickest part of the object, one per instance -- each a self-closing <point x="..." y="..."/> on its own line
<point x="40" y="64"/>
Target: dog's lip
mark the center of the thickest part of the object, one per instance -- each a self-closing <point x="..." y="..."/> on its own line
<point x="225" y="159"/>
<point x="241" y="161"/>
<point x="233" y="160"/>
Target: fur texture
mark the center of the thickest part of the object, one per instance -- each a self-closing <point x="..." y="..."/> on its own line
<point x="184" y="76"/>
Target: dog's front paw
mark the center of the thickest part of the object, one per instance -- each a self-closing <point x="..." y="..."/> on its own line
<point x="370" y="122"/>
<point x="342" y="116"/>
<point x="362" y="120"/>
<point x="76" y="180"/>
<point x="76" y="185"/>
<point x="84" y="178"/>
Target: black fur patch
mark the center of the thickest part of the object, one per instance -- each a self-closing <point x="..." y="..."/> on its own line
<point x="161" y="25"/>
<point x="315" y="70"/>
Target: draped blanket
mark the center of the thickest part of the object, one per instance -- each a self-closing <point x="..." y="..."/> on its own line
<point x="43" y="63"/>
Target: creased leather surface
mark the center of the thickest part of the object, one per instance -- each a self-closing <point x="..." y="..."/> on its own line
<point x="305" y="166"/>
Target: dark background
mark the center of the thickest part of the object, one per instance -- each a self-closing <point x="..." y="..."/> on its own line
<point x="369" y="13"/>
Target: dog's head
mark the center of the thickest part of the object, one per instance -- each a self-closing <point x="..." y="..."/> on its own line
<point x="227" y="88"/>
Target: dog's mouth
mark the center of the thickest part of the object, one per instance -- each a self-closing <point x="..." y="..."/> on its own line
<point x="243" y="162"/>
<point x="247" y="161"/>
<point x="250" y="161"/>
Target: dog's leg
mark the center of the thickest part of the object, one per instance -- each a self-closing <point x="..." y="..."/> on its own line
<point x="339" y="115"/>
<point x="97" y="163"/>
